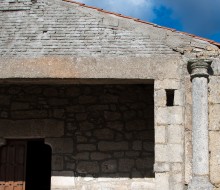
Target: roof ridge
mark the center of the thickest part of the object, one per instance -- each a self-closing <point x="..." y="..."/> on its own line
<point x="144" y="22"/>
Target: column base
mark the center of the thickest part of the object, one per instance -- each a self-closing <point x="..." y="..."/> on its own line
<point x="200" y="183"/>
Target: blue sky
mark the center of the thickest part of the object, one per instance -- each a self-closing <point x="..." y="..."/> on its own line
<point x="199" y="17"/>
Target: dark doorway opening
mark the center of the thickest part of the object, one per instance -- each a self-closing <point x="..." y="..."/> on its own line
<point x="38" y="166"/>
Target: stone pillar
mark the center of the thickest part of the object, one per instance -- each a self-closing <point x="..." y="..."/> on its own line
<point x="198" y="69"/>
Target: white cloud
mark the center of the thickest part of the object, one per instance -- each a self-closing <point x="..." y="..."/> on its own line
<point x="197" y="16"/>
<point x="135" y="8"/>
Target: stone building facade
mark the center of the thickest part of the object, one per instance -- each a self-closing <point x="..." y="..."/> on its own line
<point x="121" y="103"/>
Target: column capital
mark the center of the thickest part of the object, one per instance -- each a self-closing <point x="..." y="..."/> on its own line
<point x="199" y="67"/>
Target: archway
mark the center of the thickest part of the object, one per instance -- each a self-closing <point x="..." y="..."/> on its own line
<point x="25" y="165"/>
<point x="38" y="166"/>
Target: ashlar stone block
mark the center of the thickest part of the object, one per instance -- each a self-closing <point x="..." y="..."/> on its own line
<point x="60" y="145"/>
<point x="143" y="185"/>
<point x="214" y="148"/>
<point x="169" y="115"/>
<point x="178" y="98"/>
<point x="160" y="134"/>
<point x="125" y="165"/>
<point x="167" y="84"/>
<point x="169" y="153"/>
<point x="162" y="181"/>
<point x="113" y="146"/>
<point x="188" y="156"/>
<point x="214" y="89"/>
<point x="109" y="166"/>
<point x="175" y="134"/>
<point x="214" y="118"/>
<point x="62" y="182"/>
<point x="57" y="162"/>
<point x="161" y="167"/>
<point x="87" y="167"/>
<point x="160" y="97"/>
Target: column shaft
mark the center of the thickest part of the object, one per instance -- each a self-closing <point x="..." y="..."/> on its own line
<point x="198" y="69"/>
<point x="200" y="126"/>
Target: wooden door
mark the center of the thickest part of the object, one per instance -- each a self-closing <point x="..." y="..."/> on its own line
<point x="12" y="165"/>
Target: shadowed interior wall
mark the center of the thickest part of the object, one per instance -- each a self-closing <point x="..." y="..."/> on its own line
<point x="108" y="132"/>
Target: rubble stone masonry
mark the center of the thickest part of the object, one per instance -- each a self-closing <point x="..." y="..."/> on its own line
<point x="108" y="129"/>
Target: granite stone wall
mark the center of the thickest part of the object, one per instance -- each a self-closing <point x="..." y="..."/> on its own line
<point x="35" y="28"/>
<point x="108" y="129"/>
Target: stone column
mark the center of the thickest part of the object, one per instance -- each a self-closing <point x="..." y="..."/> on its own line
<point x="198" y="69"/>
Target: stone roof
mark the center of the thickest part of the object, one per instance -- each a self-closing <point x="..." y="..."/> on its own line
<point x="68" y="28"/>
<point x="144" y="22"/>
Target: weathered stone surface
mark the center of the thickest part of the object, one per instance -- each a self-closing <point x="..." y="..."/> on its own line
<point x="33" y="114"/>
<point x="143" y="185"/>
<point x="160" y="134"/>
<point x="62" y="182"/>
<point x="70" y="166"/>
<point x="178" y="98"/>
<point x="161" y="167"/>
<point x="188" y="116"/>
<point x="214" y="90"/>
<point x="99" y="156"/>
<point x="163" y="152"/>
<point x="176" y="181"/>
<point x="167" y="84"/>
<point x="86" y="147"/>
<point x="82" y="156"/>
<point x="214" y="148"/>
<point x="58" y="101"/>
<point x="85" y="125"/>
<point x="109" y="146"/>
<point x="104" y="134"/>
<point x="137" y="145"/>
<point x="87" y="99"/>
<point x="19" y="105"/>
<point x="162" y="181"/>
<point x="75" y="108"/>
<point x="136" y="125"/>
<point x="112" y="116"/>
<point x="79" y="129"/>
<point x="87" y="167"/>
<point x="116" y="125"/>
<point x="4" y="100"/>
<point x="169" y="115"/>
<point x="160" y="97"/>
<point x="126" y="165"/>
<point x="188" y="156"/>
<point x="102" y="68"/>
<point x="57" y="162"/>
<point x="109" y="166"/>
<point x="148" y="146"/>
<point x="32" y="128"/>
<point x="73" y="91"/>
<point x="60" y="145"/>
<point x="175" y="134"/>
<point x="2" y="142"/>
<point x="143" y="164"/>
<point x="214" y="119"/>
